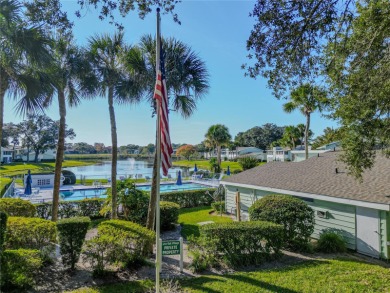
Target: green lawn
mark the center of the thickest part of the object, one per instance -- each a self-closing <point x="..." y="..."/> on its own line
<point x="14" y="169"/>
<point x="189" y="217"/>
<point x="204" y="164"/>
<point x="338" y="275"/>
<point x="322" y="275"/>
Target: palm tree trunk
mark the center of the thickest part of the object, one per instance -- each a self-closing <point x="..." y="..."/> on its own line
<point x="307" y="135"/>
<point x="114" y="140"/>
<point x="151" y="219"/>
<point x="3" y="87"/>
<point x="59" y="156"/>
<point x="219" y="155"/>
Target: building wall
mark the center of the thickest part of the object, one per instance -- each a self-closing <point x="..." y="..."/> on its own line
<point x="339" y="217"/>
<point x="42" y="180"/>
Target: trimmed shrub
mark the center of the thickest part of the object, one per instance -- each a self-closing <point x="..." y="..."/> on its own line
<point x="169" y="214"/>
<point x="70" y="177"/>
<point x="19" y="267"/>
<point x="67" y="209"/>
<point x="43" y="210"/>
<point x="294" y="214"/>
<point x="99" y="252"/>
<point x="90" y="207"/>
<point x="17" y="207"/>
<point x="3" y="228"/>
<point x="71" y="235"/>
<point x="241" y="243"/>
<point x="248" y="162"/>
<point x="118" y="241"/>
<point x="189" y="199"/>
<point x="331" y="242"/>
<point x="134" y="203"/>
<point x="32" y="233"/>
<point x="218" y="205"/>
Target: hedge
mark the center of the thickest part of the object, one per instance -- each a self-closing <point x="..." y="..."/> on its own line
<point x="243" y="243"/>
<point x="3" y="228"/>
<point x="189" y="199"/>
<point x="71" y="235"/>
<point x="19" y="267"/>
<point x="32" y="233"/>
<point x="169" y="214"/>
<point x="89" y="207"/>
<point x="17" y="207"/>
<point x="118" y="241"/>
<point x="218" y="205"/>
<point x="294" y="214"/>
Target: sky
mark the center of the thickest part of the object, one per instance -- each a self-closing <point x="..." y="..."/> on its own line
<point x="217" y="31"/>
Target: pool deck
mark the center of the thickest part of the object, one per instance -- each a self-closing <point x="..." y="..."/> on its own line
<point x="46" y="194"/>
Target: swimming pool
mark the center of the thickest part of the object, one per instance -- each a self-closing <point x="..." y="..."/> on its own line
<point x="174" y="187"/>
<point x="80" y="194"/>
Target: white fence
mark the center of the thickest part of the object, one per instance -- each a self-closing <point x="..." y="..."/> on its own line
<point x="10" y="190"/>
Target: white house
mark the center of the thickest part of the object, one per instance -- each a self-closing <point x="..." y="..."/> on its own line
<point x="252" y="152"/>
<point x="359" y="212"/>
<point x="278" y="154"/>
<point x="298" y="154"/>
<point x="42" y="180"/>
<point x="225" y="153"/>
<point x="21" y="154"/>
<point x="6" y="155"/>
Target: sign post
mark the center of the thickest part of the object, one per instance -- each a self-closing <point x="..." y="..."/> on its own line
<point x="173" y="247"/>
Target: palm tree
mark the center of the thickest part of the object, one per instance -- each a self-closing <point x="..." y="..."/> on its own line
<point x="186" y="79"/>
<point x="291" y="135"/>
<point x="69" y="75"/>
<point x="307" y="99"/>
<point x="106" y="54"/>
<point x="22" y="48"/>
<point x="217" y="136"/>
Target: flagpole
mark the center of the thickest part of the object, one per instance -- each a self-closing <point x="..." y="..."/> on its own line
<point x="158" y="165"/>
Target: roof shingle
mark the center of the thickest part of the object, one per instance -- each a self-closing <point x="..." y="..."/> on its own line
<point x="317" y="175"/>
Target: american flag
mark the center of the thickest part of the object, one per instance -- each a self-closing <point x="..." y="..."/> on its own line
<point x="160" y="93"/>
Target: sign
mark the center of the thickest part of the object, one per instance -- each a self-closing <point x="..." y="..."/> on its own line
<point x="171" y="247"/>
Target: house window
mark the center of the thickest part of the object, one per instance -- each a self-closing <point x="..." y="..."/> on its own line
<point x="42" y="182"/>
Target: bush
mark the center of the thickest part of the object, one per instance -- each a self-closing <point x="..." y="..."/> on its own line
<point x="17" y="207"/>
<point x="71" y="235"/>
<point x="294" y="214"/>
<point x="32" y="233"/>
<point x="189" y="199"/>
<point x="248" y="162"/>
<point x="134" y="203"/>
<point x="218" y="205"/>
<point x="89" y="207"/>
<point x="331" y="242"/>
<point x="242" y="243"/>
<point x="3" y="227"/>
<point x="43" y="210"/>
<point x="100" y="251"/>
<point x="236" y="171"/>
<point x="169" y="214"/>
<point x="70" y="177"/>
<point x="19" y="267"/>
<point x="67" y="209"/>
<point x="118" y="241"/>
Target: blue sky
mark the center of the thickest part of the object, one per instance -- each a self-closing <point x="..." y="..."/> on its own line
<point x="217" y="31"/>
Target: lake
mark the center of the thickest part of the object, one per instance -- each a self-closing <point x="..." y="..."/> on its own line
<point x="126" y="168"/>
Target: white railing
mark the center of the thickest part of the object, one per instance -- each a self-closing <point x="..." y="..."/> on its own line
<point x="10" y="190"/>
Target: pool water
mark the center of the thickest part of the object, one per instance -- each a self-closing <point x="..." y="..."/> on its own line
<point x="174" y="187"/>
<point x="68" y="195"/>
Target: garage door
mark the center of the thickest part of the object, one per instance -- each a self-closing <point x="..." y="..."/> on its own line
<point x="367" y="235"/>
